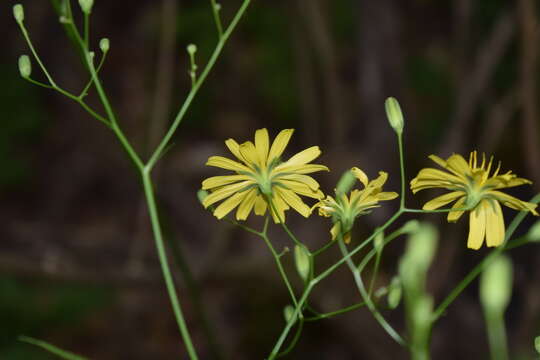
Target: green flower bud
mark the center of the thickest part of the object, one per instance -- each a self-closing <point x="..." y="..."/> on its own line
<point x="496" y="284"/>
<point x="422" y="318"/>
<point x="25" y="66"/>
<point x="534" y="232"/>
<point x="345" y="183"/>
<point x="394" y="293"/>
<point x="217" y="6"/>
<point x="378" y="243"/>
<point x="302" y="261"/>
<point x="201" y="195"/>
<point x="410" y="227"/>
<point x="422" y="245"/>
<point x="18" y="13"/>
<point x="191" y="49"/>
<point x="537" y="344"/>
<point x="394" y="114"/>
<point x="288" y="312"/>
<point x="104" y="45"/>
<point x="86" y="6"/>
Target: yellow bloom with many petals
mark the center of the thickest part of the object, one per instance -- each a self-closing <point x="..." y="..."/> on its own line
<point x="472" y="187"/>
<point x="345" y="209"/>
<point x="261" y="175"/>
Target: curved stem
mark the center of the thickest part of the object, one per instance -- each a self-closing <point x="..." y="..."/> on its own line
<point x="401" y="172"/>
<point x="337" y="312"/>
<point x="158" y="237"/>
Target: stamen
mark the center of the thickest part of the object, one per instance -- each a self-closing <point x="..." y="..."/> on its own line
<point x="498" y="168"/>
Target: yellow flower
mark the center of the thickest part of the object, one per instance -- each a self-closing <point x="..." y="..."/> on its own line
<point x="472" y="187"/>
<point x="344" y="210"/>
<point x="261" y="175"/>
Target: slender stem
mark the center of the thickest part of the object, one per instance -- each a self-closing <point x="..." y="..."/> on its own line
<point x="324" y="248"/>
<point x="189" y="99"/>
<point x="295" y="339"/>
<point x="282" y="222"/>
<point x="375" y="272"/>
<point x="84" y="91"/>
<point x="371" y="306"/>
<point x="337" y="312"/>
<point x="34" y="53"/>
<point x="158" y="237"/>
<point x="38" y="83"/>
<point x="86" y="25"/>
<point x="51" y="348"/>
<point x="280" y="267"/>
<point x="401" y="171"/>
<point x="217" y="18"/>
<point x="435" y="211"/>
<point x="85" y="106"/>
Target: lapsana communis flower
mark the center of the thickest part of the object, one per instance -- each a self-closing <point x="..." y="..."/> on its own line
<point x="261" y="176"/>
<point x="345" y="209"/>
<point x="473" y="187"/>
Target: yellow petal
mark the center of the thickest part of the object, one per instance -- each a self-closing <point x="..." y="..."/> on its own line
<point x="262" y="144"/>
<point x="347" y="238"/>
<point x="335" y="231"/>
<point x="224" y="163"/>
<point x="477" y="227"/>
<point x="278" y="208"/>
<point x="246" y="205"/>
<point x="228" y="205"/>
<point x="249" y="153"/>
<point x="379" y="181"/>
<point x="304" y="179"/>
<point x="458" y="165"/>
<point x="436" y="174"/>
<point x="260" y="205"/>
<point x="279" y="144"/>
<point x="233" y="146"/>
<point x="442" y="200"/>
<point x="304" y="156"/>
<point x="513" y="202"/>
<point x="216" y="181"/>
<point x="300" y="169"/>
<point x="302" y="189"/>
<point x="454" y="216"/>
<point x="360" y="175"/>
<point x="383" y="196"/>
<point x="494" y="224"/>
<point x="442" y="163"/>
<point x="224" y="192"/>
<point x="294" y="201"/>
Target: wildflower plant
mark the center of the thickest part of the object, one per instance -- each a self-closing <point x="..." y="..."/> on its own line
<point x="264" y="184"/>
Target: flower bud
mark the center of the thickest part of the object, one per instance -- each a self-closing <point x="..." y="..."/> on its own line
<point x="410" y="227"/>
<point x="422" y="245"/>
<point x="201" y="195"/>
<point x="104" y="45"/>
<point x="86" y="6"/>
<point x="345" y="183"/>
<point x="496" y="285"/>
<point x="378" y="243"/>
<point x="534" y="232"/>
<point x="537" y="344"/>
<point x="394" y="114"/>
<point x="288" y="312"/>
<point x="18" y="13"/>
<point x="191" y="49"/>
<point x="394" y="293"/>
<point x="25" y="66"/>
<point x="302" y="261"/>
<point x="422" y="318"/>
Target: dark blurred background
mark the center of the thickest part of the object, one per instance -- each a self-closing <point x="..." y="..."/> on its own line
<point x="78" y="266"/>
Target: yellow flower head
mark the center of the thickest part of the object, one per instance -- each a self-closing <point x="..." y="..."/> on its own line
<point x="344" y="210"/>
<point x="473" y="187"/>
<point x="261" y="175"/>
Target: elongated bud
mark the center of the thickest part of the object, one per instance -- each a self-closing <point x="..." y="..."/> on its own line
<point x="86" y="6"/>
<point x="288" y="312"/>
<point x="18" y="13"/>
<point x="201" y="195"/>
<point x="410" y="227"/>
<point x="394" y="293"/>
<point x="496" y="285"/>
<point x="302" y="261"/>
<point x="534" y="232"/>
<point x="394" y="114"/>
<point x="422" y="245"/>
<point x="378" y="243"/>
<point x="191" y="49"/>
<point x="25" y="66"/>
<point x="104" y="45"/>
<point x="537" y="344"/>
<point x="345" y="183"/>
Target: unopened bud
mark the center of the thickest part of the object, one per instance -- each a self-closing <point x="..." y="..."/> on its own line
<point x="217" y="6"/>
<point x="288" y="312"/>
<point x="537" y="344"/>
<point x="104" y="45"/>
<point x="191" y="49"/>
<point x="422" y="245"/>
<point x="394" y="114"/>
<point x="496" y="284"/>
<point x="345" y="183"/>
<point x="410" y="227"/>
<point x="378" y="243"/>
<point x="302" y="261"/>
<point x="201" y="195"/>
<point x="86" y="6"/>
<point x="25" y="66"/>
<point x="394" y="293"/>
<point x="534" y="232"/>
<point x="18" y="13"/>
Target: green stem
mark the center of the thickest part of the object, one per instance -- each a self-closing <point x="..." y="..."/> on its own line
<point x="401" y="171"/>
<point x="371" y="306"/>
<point x="51" y="348"/>
<point x="324" y="248"/>
<point x="337" y="312"/>
<point x="217" y="18"/>
<point x="158" y="237"/>
<point x="295" y="339"/>
<point x="496" y="335"/>
<point x="36" y="56"/>
<point x="84" y="91"/>
<point x="375" y="272"/>
<point x="194" y="90"/>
